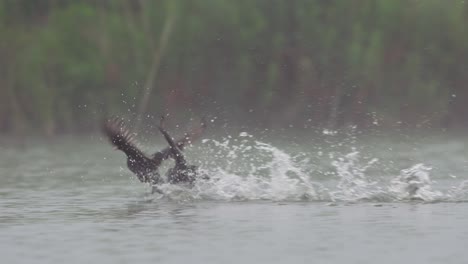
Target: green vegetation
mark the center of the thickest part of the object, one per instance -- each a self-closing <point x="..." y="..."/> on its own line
<point x="66" y="63"/>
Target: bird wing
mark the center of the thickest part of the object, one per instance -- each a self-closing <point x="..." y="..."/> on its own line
<point x="119" y="136"/>
<point x="187" y="139"/>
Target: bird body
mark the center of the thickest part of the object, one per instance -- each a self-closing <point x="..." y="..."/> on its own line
<point x="146" y="167"/>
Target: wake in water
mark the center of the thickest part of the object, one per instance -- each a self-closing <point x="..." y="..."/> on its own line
<point x="243" y="168"/>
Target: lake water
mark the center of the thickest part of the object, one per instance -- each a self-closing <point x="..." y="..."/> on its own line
<point x="328" y="200"/>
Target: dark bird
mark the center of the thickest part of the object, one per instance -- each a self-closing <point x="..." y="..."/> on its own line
<point x="145" y="167"/>
<point x="182" y="172"/>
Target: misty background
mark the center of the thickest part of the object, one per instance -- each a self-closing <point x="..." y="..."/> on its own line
<point x="66" y="64"/>
<point x="338" y="130"/>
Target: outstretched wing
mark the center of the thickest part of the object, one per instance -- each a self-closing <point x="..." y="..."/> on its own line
<point x="187" y="139"/>
<point x="121" y="138"/>
<point x="175" y="151"/>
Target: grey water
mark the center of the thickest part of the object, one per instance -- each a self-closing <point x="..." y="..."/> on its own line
<point x="321" y="201"/>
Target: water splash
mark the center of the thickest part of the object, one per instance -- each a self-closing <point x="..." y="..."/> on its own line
<point x="414" y="183"/>
<point x="256" y="170"/>
<point x="243" y="168"/>
<point x="354" y="184"/>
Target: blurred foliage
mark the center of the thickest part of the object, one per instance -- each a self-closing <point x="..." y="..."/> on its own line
<point x="66" y="63"/>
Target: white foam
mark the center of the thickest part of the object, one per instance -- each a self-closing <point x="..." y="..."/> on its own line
<point x="243" y="168"/>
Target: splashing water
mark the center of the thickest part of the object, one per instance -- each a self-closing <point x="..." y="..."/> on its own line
<point x="243" y="168"/>
<point x="353" y="184"/>
<point x="264" y="172"/>
<point x="414" y="183"/>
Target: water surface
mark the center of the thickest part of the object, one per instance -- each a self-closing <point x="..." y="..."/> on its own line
<point x="339" y="201"/>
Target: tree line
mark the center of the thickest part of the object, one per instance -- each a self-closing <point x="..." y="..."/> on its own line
<point x="66" y="63"/>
